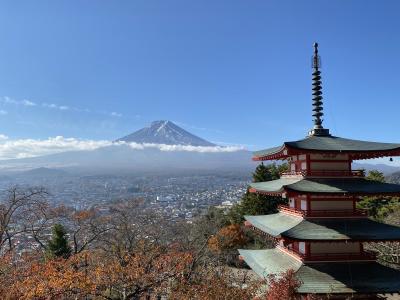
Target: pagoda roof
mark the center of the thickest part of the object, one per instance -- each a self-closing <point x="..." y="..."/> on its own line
<point x="325" y="229"/>
<point x="325" y="278"/>
<point x="359" y="186"/>
<point x="314" y="143"/>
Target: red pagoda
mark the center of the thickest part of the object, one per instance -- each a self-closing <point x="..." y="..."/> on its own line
<point x="320" y="233"/>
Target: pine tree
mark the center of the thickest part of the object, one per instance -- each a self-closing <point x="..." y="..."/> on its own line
<point x="375" y="175"/>
<point x="58" y="245"/>
<point x="262" y="173"/>
<point x="377" y="207"/>
<point x="256" y="204"/>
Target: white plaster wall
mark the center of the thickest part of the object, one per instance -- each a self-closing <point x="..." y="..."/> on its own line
<point x="302" y="247"/>
<point x="303" y="204"/>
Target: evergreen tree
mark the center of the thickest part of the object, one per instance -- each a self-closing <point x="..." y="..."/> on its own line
<point x="262" y="173"/>
<point x="256" y="204"/>
<point x="58" y="245"/>
<point x="378" y="207"/>
<point x="375" y="175"/>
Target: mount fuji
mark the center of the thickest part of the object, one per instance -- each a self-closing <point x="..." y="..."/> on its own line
<point x="165" y="132"/>
<point x="162" y="146"/>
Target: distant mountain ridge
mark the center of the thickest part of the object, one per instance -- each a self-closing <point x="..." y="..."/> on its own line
<point x="165" y="132"/>
<point x="45" y="172"/>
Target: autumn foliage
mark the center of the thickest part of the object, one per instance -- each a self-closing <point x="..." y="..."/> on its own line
<point x="95" y="275"/>
<point x="126" y="254"/>
<point x="231" y="236"/>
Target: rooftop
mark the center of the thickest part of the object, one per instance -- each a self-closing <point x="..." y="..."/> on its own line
<point x="359" y="149"/>
<point x="359" y="186"/>
<point x="326" y="278"/>
<point x="297" y="228"/>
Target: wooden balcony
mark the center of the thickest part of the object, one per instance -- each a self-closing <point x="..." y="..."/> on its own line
<point x="324" y="213"/>
<point x="325" y="173"/>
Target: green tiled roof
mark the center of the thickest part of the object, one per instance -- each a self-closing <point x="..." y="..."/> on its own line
<point x="270" y="261"/>
<point x="297" y="228"/>
<point x="274" y="224"/>
<point x="274" y="186"/>
<point x="326" y="278"/>
<point x="331" y="143"/>
<point x="268" y="151"/>
<point x="343" y="229"/>
<point x="348" y="277"/>
<point x="326" y="185"/>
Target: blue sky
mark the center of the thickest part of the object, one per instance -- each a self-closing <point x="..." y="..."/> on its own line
<point x="229" y="71"/>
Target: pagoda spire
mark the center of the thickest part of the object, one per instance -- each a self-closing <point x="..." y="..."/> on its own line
<point x="317" y="96"/>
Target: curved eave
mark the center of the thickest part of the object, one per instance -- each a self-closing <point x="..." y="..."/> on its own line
<point x="292" y="148"/>
<point x="274" y="224"/>
<point x="325" y="278"/>
<point x="275" y="153"/>
<point x="288" y="191"/>
<point x="354" y="155"/>
<point x="374" y="154"/>
<point x="295" y="228"/>
<point x="325" y="186"/>
<point x="253" y="190"/>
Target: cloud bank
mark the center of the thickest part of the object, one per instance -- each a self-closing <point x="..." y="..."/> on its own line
<point x="24" y="148"/>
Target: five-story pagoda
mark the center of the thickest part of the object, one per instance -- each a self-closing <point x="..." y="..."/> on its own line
<point x="320" y="233"/>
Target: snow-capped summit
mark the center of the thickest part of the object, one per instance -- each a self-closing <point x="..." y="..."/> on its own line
<point x="165" y="132"/>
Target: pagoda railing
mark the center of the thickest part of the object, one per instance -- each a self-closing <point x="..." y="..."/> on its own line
<point x="330" y="256"/>
<point x="326" y="173"/>
<point x="324" y="213"/>
<point x="294" y="173"/>
<point x="290" y="210"/>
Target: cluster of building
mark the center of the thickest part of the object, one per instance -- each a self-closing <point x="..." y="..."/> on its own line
<point x="174" y="196"/>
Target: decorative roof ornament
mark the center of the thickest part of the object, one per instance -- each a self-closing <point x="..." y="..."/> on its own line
<point x="317" y="96"/>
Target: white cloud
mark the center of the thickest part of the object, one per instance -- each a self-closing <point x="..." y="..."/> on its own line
<point x="6" y="99"/>
<point x="31" y="147"/>
<point x="22" y="148"/>
<point x="51" y="105"/>
<point x="24" y="102"/>
<point x="62" y="107"/>
<point x="186" y="148"/>
<point x="28" y="102"/>
<point x="3" y="112"/>
<point x="115" y="114"/>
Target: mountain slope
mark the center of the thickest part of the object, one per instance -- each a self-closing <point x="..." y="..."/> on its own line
<point x="44" y="172"/>
<point x="165" y="132"/>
